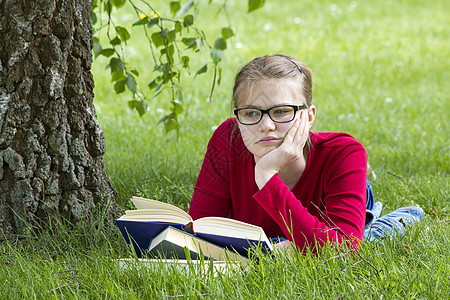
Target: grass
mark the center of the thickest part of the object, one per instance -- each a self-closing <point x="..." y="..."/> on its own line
<point x="80" y="265"/>
<point x="380" y="73"/>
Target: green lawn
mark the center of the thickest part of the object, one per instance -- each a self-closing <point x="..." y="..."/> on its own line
<point x="381" y="72"/>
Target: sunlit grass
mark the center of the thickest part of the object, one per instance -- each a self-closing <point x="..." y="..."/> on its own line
<point x="380" y="73"/>
<point x="414" y="266"/>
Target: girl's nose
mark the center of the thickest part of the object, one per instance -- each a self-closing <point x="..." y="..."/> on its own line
<point x="266" y="124"/>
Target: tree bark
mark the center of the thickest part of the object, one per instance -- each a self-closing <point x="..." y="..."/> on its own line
<point x="51" y="144"/>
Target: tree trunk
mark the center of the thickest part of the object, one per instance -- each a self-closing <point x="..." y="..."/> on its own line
<point x="51" y="144"/>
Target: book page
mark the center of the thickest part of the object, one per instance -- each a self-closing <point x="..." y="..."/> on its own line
<point x="143" y="203"/>
<point x="155" y="215"/>
<point x="229" y="227"/>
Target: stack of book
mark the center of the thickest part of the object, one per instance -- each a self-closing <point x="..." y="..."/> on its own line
<point x="165" y="231"/>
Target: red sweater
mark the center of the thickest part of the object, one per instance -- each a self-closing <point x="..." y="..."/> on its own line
<point x="328" y="201"/>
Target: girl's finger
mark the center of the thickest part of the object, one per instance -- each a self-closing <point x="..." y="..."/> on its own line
<point x="305" y="122"/>
<point x="302" y="125"/>
<point x="293" y="130"/>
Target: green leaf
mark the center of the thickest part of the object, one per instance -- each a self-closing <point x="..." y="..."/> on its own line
<point x="157" y="39"/>
<point x="107" y="52"/>
<point x="118" y="3"/>
<point x="135" y="72"/>
<point x="190" y="42"/>
<point x="171" y="125"/>
<point x="177" y="108"/>
<point x="227" y="32"/>
<point x="216" y="55"/>
<point x="174" y="7"/>
<point x="219" y="77"/>
<point x="201" y="70"/>
<point x="170" y="122"/>
<point x="169" y="51"/>
<point x="131" y="83"/>
<point x="118" y="75"/>
<point x="185" y="61"/>
<point x="139" y="105"/>
<point x="163" y="119"/>
<point x="180" y="95"/>
<point x="199" y="43"/>
<point x="153" y="22"/>
<point x="123" y="33"/>
<point x="185" y="8"/>
<point x="220" y="44"/>
<point x="166" y="69"/>
<point x="115" y="41"/>
<point x="171" y="36"/>
<point x="178" y="26"/>
<point x="97" y="48"/>
<point x="255" y="4"/>
<point x="108" y="7"/>
<point x="163" y="33"/>
<point x="159" y="86"/>
<point x="142" y="107"/>
<point x="152" y="84"/>
<point x="188" y="20"/>
<point x="93" y="18"/>
<point x="119" y="87"/>
<point x="142" y="21"/>
<point x="116" y="64"/>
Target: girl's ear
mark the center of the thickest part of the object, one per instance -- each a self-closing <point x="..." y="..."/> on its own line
<point x="311" y="115"/>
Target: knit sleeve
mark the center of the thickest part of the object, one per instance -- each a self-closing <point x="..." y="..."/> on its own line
<point x="343" y="212"/>
<point x="212" y="191"/>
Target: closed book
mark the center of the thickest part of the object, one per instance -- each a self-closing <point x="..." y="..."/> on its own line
<point x="174" y="243"/>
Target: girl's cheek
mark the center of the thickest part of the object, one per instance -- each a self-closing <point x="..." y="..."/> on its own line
<point x="286" y="126"/>
<point x="247" y="134"/>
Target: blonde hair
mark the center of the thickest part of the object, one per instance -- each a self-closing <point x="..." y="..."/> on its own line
<point x="277" y="66"/>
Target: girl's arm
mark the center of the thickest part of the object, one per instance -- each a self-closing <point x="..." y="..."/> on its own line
<point x="212" y="191"/>
<point x="344" y="203"/>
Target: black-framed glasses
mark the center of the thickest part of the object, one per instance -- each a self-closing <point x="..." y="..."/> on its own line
<point x="278" y="114"/>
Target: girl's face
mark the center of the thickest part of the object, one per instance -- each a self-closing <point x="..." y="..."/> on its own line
<point x="267" y="135"/>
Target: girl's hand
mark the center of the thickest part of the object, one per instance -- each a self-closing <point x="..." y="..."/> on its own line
<point x="284" y="246"/>
<point x="289" y="153"/>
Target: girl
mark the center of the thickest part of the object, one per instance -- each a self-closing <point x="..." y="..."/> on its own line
<point x="266" y="167"/>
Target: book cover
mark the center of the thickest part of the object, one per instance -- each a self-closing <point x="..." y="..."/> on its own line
<point x="240" y="245"/>
<point x="140" y="233"/>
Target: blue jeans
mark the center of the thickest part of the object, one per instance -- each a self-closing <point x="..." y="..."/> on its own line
<point x="373" y="209"/>
<point x="376" y="228"/>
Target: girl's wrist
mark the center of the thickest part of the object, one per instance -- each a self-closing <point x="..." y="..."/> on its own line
<point x="263" y="176"/>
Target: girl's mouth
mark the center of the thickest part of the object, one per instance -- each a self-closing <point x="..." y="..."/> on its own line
<point x="267" y="140"/>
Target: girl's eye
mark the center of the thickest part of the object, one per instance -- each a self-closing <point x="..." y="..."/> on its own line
<point x="251" y="113"/>
<point x="282" y="111"/>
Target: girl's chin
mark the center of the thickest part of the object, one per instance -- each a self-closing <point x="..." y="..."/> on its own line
<point x="261" y="151"/>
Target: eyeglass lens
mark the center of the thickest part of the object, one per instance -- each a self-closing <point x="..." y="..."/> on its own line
<point x="277" y="114"/>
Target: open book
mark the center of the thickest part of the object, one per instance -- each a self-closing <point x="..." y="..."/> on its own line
<point x="151" y="217"/>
